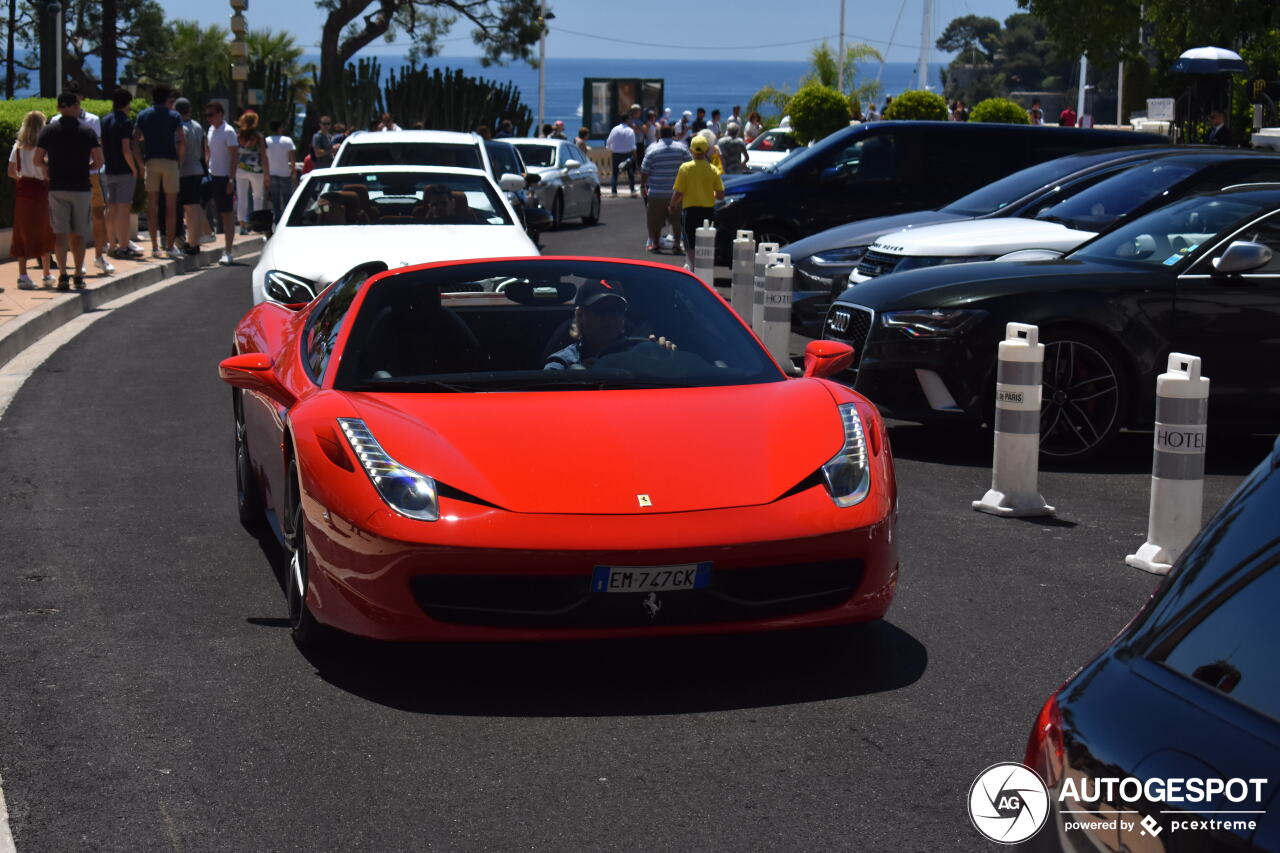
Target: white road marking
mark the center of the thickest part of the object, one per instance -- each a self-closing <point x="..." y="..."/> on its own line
<point x="16" y="372"/>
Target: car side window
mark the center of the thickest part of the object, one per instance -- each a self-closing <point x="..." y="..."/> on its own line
<point x="503" y="158"/>
<point x="326" y="322"/>
<point x="567" y="153"/>
<point x="870" y="158"/>
<point x="1233" y="647"/>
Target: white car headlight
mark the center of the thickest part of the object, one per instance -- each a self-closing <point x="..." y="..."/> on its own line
<point x="848" y="475"/>
<point x="406" y="491"/>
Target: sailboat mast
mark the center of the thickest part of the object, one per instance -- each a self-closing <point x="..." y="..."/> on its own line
<point x="926" y="35"/>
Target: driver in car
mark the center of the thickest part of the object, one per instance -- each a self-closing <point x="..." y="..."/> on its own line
<point x="598" y="328"/>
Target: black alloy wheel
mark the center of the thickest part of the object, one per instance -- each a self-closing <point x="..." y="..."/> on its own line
<point x="557" y="211"/>
<point x="593" y="218"/>
<point x="248" y="496"/>
<point x="308" y="634"/>
<point x="1084" y="398"/>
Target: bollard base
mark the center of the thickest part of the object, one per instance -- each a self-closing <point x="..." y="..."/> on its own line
<point x="1012" y="506"/>
<point x="1150" y="558"/>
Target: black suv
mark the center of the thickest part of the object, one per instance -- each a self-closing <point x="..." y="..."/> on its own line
<point x="883" y="168"/>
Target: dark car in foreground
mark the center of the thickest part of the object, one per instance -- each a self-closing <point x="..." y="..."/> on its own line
<point x="883" y="168"/>
<point x="1184" y="702"/>
<point x="1200" y="276"/>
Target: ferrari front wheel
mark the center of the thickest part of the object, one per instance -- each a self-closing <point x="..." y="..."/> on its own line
<point x="308" y="633"/>
<point x="248" y="497"/>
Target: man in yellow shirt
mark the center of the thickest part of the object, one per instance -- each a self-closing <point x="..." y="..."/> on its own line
<point x="697" y="188"/>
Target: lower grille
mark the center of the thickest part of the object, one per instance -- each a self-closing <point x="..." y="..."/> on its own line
<point x="566" y="601"/>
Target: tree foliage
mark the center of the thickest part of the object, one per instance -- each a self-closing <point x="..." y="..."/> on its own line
<point x="502" y="29"/>
<point x="824" y="70"/>
<point x="999" y="111"/>
<point x="992" y="62"/>
<point x="140" y="41"/>
<point x="1108" y="29"/>
<point x="817" y="111"/>
<point x="918" y="104"/>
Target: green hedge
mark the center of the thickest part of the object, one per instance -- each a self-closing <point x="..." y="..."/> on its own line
<point x="918" y="104"/>
<point x="999" y="111"/>
<point x="11" y="115"/>
<point x="817" y="111"/>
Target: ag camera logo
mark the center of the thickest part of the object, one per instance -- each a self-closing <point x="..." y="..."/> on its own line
<point x="1008" y="803"/>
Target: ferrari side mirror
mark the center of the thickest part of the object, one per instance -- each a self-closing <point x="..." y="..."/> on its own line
<point x="823" y="359"/>
<point x="252" y="372"/>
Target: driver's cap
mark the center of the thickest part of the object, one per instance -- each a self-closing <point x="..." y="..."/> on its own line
<point x="594" y="292"/>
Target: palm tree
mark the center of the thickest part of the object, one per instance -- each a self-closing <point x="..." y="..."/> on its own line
<point x="824" y="70"/>
<point x="199" y="59"/>
<point x="270" y="48"/>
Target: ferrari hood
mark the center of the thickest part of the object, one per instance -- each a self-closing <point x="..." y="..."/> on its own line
<point x="324" y="253"/>
<point x="611" y="452"/>
<point x="978" y="237"/>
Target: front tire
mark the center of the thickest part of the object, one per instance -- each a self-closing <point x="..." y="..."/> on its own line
<point x="593" y="218"/>
<point x="248" y="495"/>
<point x="1085" y="395"/>
<point x="308" y="634"/>
<point x="557" y="211"/>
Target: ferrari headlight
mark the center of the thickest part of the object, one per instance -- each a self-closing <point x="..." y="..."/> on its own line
<point x="405" y="490"/>
<point x="848" y="475"/>
<point x="932" y="323"/>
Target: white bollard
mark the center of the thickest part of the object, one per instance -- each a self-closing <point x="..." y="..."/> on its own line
<point x="763" y="252"/>
<point x="742" y="296"/>
<point x="776" y="330"/>
<point x="1177" y="469"/>
<point x="704" y="252"/>
<point x="1015" y="468"/>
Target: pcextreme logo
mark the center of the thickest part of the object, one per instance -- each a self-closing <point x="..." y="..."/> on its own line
<point x="1009" y="803"/>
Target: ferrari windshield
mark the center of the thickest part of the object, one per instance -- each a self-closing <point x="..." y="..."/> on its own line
<point x="398" y="198"/>
<point x="1167" y="236"/>
<point x="546" y="325"/>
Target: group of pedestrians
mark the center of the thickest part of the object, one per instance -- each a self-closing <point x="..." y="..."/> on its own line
<point x="635" y="134"/>
<point x="76" y="177"/>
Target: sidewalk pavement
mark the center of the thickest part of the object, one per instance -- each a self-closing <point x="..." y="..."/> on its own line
<point x="26" y="316"/>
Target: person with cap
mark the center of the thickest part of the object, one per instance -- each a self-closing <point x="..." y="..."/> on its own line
<point x="683" y="128"/>
<point x="622" y="146"/>
<point x="557" y="130"/>
<point x="697" y="189"/>
<point x="599" y="328"/>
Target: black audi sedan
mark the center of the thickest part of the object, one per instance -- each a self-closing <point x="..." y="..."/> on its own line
<point x="1170" y="738"/>
<point x="1200" y="276"/>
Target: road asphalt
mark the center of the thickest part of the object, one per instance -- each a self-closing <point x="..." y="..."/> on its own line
<point x="150" y="697"/>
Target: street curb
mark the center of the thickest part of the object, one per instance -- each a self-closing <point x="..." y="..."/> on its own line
<point x="33" y="325"/>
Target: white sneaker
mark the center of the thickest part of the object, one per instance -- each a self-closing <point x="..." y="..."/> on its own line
<point x="175" y="254"/>
<point x="83" y="271"/>
<point x="225" y="260"/>
<point x="135" y="248"/>
<point x="156" y="253"/>
<point x="208" y="238"/>
<point x="49" y="280"/>
<point x="103" y="264"/>
<point x="25" y="283"/>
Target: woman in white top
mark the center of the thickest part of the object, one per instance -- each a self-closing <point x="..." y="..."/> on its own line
<point x="32" y="233"/>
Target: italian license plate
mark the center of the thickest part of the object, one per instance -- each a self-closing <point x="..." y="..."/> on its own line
<point x="650" y="578"/>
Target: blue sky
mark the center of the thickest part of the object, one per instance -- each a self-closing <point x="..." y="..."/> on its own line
<point x="680" y="29"/>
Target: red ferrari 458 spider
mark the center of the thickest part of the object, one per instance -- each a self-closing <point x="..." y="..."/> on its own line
<point x="552" y="448"/>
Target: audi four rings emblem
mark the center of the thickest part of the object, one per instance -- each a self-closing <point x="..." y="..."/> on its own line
<point x="840" y="320"/>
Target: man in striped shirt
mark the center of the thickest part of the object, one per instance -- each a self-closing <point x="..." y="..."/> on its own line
<point x="662" y="161"/>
